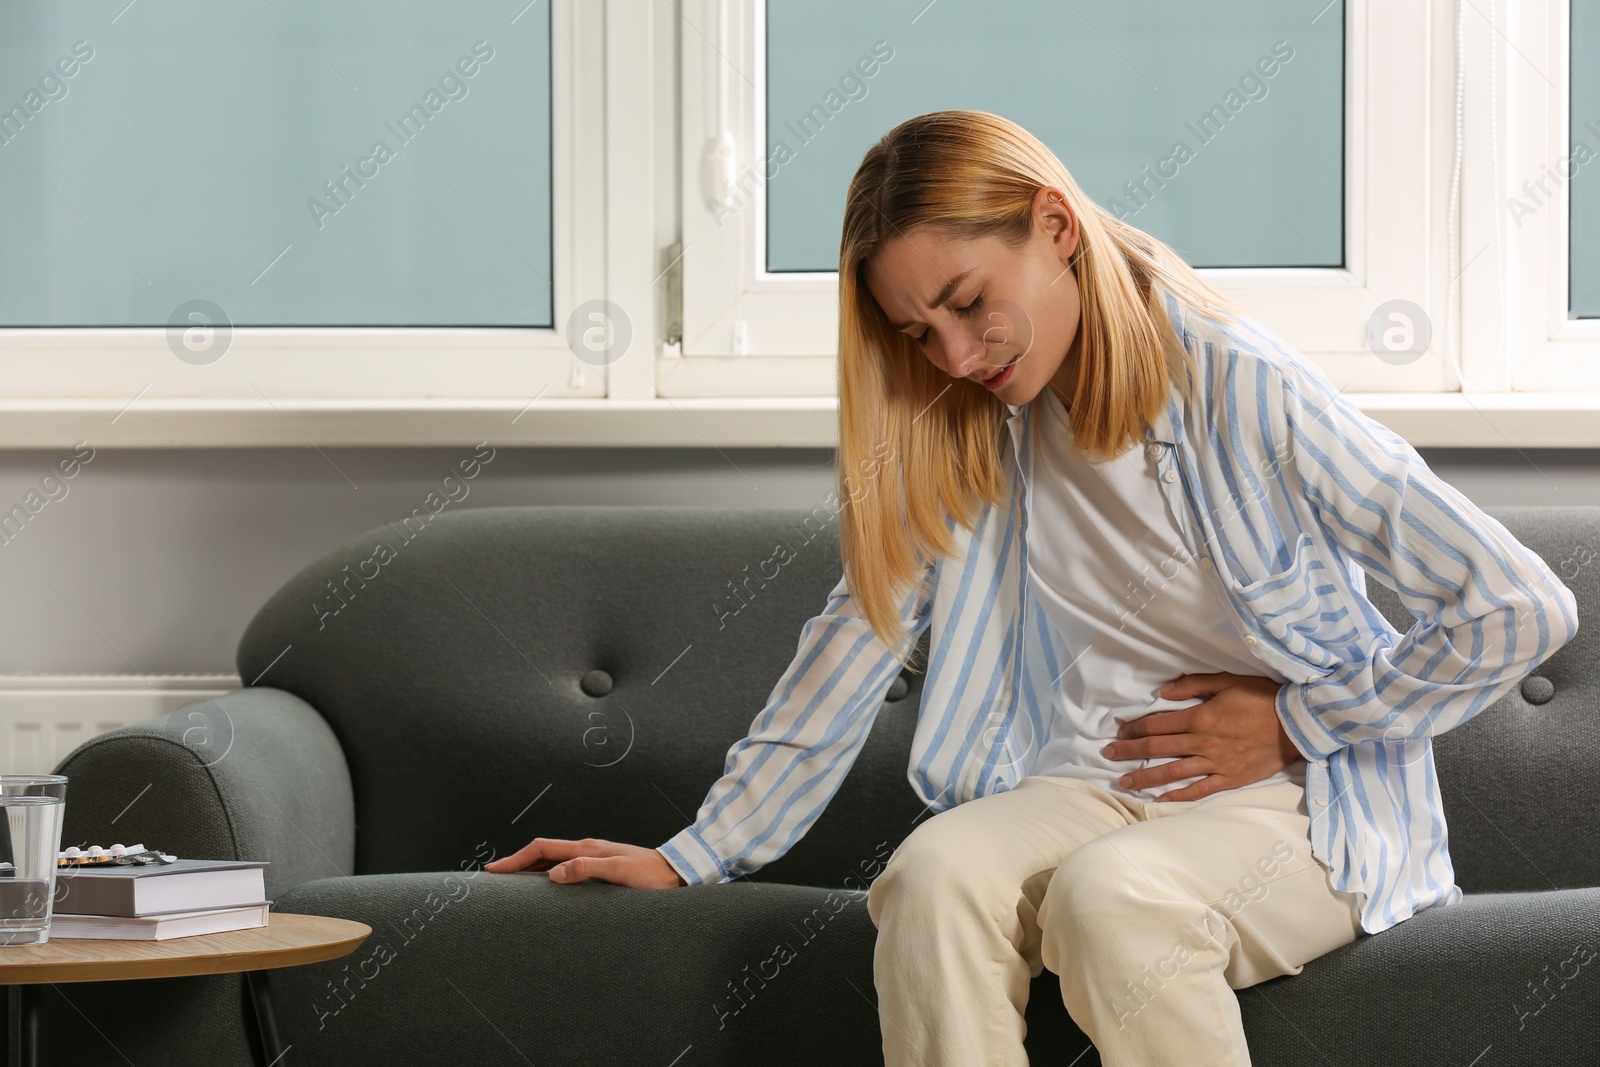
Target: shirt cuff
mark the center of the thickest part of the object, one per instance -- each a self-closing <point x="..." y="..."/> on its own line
<point x="1304" y="728"/>
<point x="692" y="858"/>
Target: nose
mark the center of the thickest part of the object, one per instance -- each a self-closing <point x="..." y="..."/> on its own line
<point x="973" y="361"/>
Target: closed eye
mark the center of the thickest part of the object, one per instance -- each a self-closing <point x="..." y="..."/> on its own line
<point x="959" y="311"/>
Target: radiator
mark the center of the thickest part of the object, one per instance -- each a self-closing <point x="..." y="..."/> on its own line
<point x="43" y="717"/>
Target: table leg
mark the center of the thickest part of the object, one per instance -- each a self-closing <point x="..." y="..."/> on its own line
<point x="28" y="1038"/>
<point x="266" y="1023"/>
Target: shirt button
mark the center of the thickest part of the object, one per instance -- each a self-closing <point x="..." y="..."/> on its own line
<point x="1205" y="561"/>
<point x="1322" y="802"/>
<point x="1171" y="476"/>
<point x="1155" y="451"/>
<point x="1250" y="639"/>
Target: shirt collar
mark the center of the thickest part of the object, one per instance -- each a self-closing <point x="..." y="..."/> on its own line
<point x="1160" y="429"/>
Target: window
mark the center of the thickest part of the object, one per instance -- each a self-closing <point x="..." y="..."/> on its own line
<point x="293" y="201"/>
<point x="620" y="218"/>
<point x="1284" y="192"/>
<point x="1548" y="206"/>
<point x="391" y="170"/>
<point x="1583" y="124"/>
<point x="1217" y="129"/>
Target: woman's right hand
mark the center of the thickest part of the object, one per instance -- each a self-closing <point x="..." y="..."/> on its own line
<point x="591" y="857"/>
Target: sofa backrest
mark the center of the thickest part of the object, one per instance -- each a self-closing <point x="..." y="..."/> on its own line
<point x="1521" y="779"/>
<point x="498" y="674"/>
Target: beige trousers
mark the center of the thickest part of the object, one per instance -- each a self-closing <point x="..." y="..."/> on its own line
<point x="1151" y="913"/>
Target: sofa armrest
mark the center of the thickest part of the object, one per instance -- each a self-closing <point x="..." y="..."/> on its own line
<point x="253" y="774"/>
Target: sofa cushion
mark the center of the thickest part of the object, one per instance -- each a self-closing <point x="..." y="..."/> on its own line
<point x="500" y="967"/>
<point x="505" y="968"/>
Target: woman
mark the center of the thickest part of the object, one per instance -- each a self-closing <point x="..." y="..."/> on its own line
<point x="1172" y="748"/>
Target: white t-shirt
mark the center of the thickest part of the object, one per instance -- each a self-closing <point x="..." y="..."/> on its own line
<point x="1126" y="598"/>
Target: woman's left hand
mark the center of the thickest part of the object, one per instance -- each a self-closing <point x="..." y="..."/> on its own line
<point x="1233" y="736"/>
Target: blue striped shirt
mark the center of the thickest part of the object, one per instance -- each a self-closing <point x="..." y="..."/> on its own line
<point x="1296" y="495"/>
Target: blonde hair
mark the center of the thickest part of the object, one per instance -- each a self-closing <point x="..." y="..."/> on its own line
<point x="918" y="447"/>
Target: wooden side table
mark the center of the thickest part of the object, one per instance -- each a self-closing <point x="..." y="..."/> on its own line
<point x="285" y="941"/>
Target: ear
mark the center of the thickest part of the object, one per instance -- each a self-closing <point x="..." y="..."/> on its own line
<point x="1058" y="220"/>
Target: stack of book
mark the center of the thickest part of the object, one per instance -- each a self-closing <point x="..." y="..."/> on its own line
<point x="157" y="902"/>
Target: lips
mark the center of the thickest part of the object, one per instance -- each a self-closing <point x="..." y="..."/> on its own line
<point x="1001" y="376"/>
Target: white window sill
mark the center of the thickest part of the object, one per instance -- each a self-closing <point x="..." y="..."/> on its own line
<point x="1482" y="420"/>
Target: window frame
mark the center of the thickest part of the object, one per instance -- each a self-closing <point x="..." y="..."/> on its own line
<point x="62" y="379"/>
<point x="1543" y="349"/>
<point x="792" y="318"/>
<point x="627" y="229"/>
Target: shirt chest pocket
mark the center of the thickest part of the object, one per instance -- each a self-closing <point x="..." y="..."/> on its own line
<point x="1295" y="606"/>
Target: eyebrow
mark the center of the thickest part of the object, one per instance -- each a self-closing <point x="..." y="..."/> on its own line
<point x="944" y="294"/>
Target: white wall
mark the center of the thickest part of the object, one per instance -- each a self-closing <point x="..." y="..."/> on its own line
<point x="154" y="560"/>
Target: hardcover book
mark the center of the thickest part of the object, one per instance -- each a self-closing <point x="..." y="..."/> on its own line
<point x="182" y="885"/>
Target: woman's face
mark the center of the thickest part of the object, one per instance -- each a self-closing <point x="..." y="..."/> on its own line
<point x="975" y="307"/>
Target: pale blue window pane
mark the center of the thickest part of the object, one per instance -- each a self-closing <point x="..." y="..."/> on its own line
<point x="1584" y="158"/>
<point x="188" y="154"/>
<point x="1112" y="87"/>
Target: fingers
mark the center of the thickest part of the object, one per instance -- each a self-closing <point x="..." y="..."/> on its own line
<point x="506" y="864"/>
<point x="602" y="868"/>
<point x="1171" y="771"/>
<point x="1153" y="747"/>
<point x="591" y="859"/>
<point x="542" y="851"/>
<point x="1173" y="721"/>
<point x="1198" y="791"/>
<point x="524" y="857"/>
<point x="1196" y="685"/>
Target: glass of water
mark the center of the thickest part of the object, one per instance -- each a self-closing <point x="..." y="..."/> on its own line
<point x="30" y="839"/>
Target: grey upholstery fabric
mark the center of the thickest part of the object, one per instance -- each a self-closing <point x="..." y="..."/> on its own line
<point x="496" y="967"/>
<point x="1521" y="781"/>
<point x="254" y="774"/>
<point x="452" y="679"/>
<point x="625" y="977"/>
<point x="1498" y="978"/>
<point x="456" y="671"/>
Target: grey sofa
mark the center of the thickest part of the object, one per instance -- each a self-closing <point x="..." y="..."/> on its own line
<point x="507" y="673"/>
